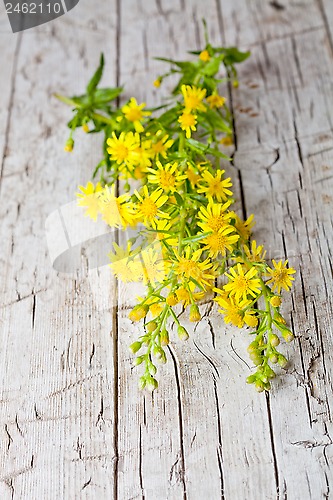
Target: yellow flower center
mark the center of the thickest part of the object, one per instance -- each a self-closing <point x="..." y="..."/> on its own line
<point x="158" y="147"/>
<point x="215" y="186"/>
<point x="280" y="276"/>
<point x="148" y="208"/>
<point x="134" y="114"/>
<point x="188" y="120"/>
<point x="121" y="152"/>
<point x="216" y="222"/>
<point x="216" y="242"/>
<point x="187" y="267"/>
<point x="192" y="101"/>
<point x="242" y="284"/>
<point x="167" y="180"/>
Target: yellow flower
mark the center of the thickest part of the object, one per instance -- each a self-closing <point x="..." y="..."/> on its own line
<point x="187" y="295"/>
<point x="214" y="216"/>
<point x="244" y="227"/>
<point x="188" y="123"/>
<point x="153" y="267"/>
<point x="89" y="198"/>
<point x="275" y="301"/>
<point x="144" y="155"/>
<point x="215" y="101"/>
<point x="138" y="312"/>
<point x="193" y="98"/>
<point x="166" y="176"/>
<point x="231" y="309"/>
<point x="255" y="253"/>
<point x="280" y="276"/>
<point x="161" y="225"/>
<point x="215" y="186"/>
<point x="116" y="211"/>
<point x="220" y="241"/>
<point x="250" y="318"/>
<point x="149" y="205"/>
<point x="122" y="149"/>
<point x="189" y="266"/>
<point x="204" y="56"/>
<point x="192" y="175"/>
<point x="160" y="146"/>
<point x="157" y="83"/>
<point x="241" y="283"/>
<point x="133" y="112"/>
<point x="227" y="140"/>
<point x="122" y="267"/>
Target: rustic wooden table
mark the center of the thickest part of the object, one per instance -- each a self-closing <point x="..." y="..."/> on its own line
<point x="73" y="423"/>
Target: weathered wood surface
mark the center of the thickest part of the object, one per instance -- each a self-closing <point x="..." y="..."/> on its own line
<point x="73" y="423"/>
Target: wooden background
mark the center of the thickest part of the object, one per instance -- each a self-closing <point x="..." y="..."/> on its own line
<point x="73" y="424"/>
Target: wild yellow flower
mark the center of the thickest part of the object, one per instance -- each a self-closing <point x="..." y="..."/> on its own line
<point x="250" y="318"/>
<point x="138" y="312"/>
<point x="189" y="266"/>
<point x="254" y="253"/>
<point x="166" y="176"/>
<point x="232" y="310"/>
<point x="216" y="101"/>
<point x="214" y="216"/>
<point x="122" y="149"/>
<point x="227" y="140"/>
<point x="215" y="186"/>
<point x="149" y="205"/>
<point x="161" y="225"/>
<point x="133" y="113"/>
<point x="218" y="242"/>
<point x="275" y="301"/>
<point x="187" y="295"/>
<point x="244" y="227"/>
<point x="154" y="267"/>
<point x="280" y="275"/>
<point x="192" y="175"/>
<point x="116" y="211"/>
<point x="122" y="267"/>
<point x="193" y="97"/>
<point x="157" y="83"/>
<point x="144" y="155"/>
<point x="161" y="145"/>
<point x="89" y="198"/>
<point x="188" y="123"/>
<point x="241" y="283"/>
<point x="204" y="56"/>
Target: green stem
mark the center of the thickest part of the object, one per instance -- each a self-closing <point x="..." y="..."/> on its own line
<point x="95" y="116"/>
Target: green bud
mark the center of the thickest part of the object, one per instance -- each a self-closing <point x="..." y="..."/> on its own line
<point x="151" y="383"/>
<point x="274" y="340"/>
<point x="69" y="146"/>
<point x="253" y="347"/>
<point x="164" y="337"/>
<point x="142" y="382"/>
<point x="259" y="386"/>
<point x="251" y="378"/>
<point x="282" y="360"/>
<point x="256" y="358"/>
<point x="267" y="386"/>
<point x="158" y="352"/>
<point x="269" y="372"/>
<point x="138" y="360"/>
<point x="287" y="335"/>
<point x="182" y="333"/>
<point x="135" y="347"/>
<point x="273" y="357"/>
<point x="152" y="369"/>
<point x="151" y="326"/>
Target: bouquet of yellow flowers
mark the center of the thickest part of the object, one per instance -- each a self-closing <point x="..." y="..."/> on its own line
<point x="190" y="245"/>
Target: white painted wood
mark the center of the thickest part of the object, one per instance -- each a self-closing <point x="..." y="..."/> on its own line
<point x="72" y="422"/>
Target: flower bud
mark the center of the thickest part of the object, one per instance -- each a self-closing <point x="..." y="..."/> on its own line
<point x="151" y="326"/>
<point x="287" y="335"/>
<point x="256" y="358"/>
<point x="253" y="347"/>
<point x="273" y="357"/>
<point x="69" y="146"/>
<point x="279" y="318"/>
<point x="85" y="127"/>
<point x="138" y="360"/>
<point x="195" y="313"/>
<point x="157" y="83"/>
<point x="282" y="360"/>
<point x="275" y="301"/>
<point x="182" y="333"/>
<point x="135" y="347"/>
<point x="204" y="56"/>
<point x="142" y="382"/>
<point x="151" y="383"/>
<point x="267" y="386"/>
<point x="251" y="320"/>
<point x="259" y="385"/>
<point x="251" y="378"/>
<point x="164" y="337"/>
<point x="138" y="312"/>
<point x="274" y="340"/>
<point x="172" y="299"/>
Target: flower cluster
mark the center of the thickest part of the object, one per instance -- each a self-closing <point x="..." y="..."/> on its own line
<point x="191" y="246"/>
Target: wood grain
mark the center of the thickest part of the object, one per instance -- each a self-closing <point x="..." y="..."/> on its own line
<point x="73" y="423"/>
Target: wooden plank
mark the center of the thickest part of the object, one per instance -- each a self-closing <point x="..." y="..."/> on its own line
<point x="57" y="418"/>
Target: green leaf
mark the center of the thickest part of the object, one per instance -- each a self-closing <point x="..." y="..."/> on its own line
<point x="92" y="85"/>
<point x="212" y="67"/>
<point x="106" y="95"/>
<point x="233" y="55"/>
<point x="179" y="199"/>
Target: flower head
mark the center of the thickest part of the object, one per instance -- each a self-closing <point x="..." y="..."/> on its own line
<point x="117" y="211"/>
<point x="122" y="149"/>
<point x="242" y="284"/>
<point x="166" y="176"/>
<point x="160" y="145"/>
<point x="148" y="207"/>
<point x="215" y="186"/>
<point x="218" y="242"/>
<point x="214" y="216"/>
<point x="280" y="275"/>
<point x="89" y="198"/>
<point x="188" y="265"/>
<point x="215" y="101"/>
<point x="193" y="97"/>
<point x="188" y="123"/>
<point x="133" y="112"/>
<point x="204" y="56"/>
